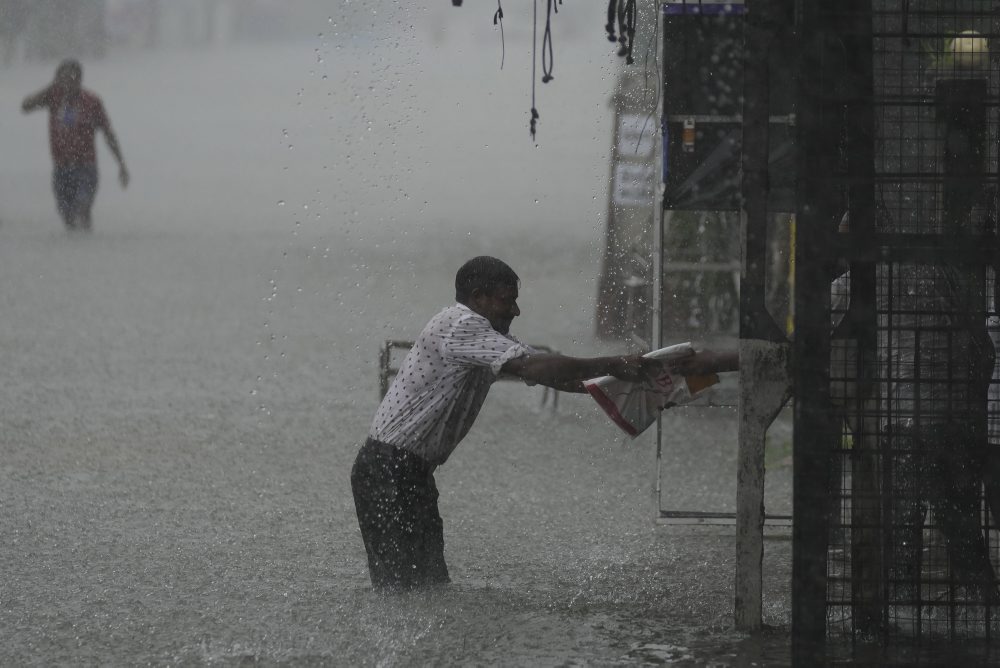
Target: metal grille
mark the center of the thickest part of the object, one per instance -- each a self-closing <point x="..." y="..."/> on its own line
<point x="913" y="547"/>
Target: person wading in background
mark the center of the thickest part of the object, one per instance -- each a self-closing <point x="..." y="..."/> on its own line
<point x="75" y="115"/>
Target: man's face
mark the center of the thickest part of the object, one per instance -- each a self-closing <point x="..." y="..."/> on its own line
<point x="498" y="306"/>
<point x="67" y="81"/>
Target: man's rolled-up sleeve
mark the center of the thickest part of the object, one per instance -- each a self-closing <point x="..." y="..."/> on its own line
<point x="473" y="342"/>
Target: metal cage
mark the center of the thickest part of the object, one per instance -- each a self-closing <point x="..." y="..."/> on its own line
<point x="897" y="422"/>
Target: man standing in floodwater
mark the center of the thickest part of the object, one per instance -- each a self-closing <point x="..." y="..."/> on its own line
<point x="75" y="115"/>
<point x="431" y="405"/>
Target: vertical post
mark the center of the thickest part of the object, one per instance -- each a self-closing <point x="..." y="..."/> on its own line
<point x="610" y="321"/>
<point x="660" y="218"/>
<point x="819" y="114"/>
<point x="858" y="102"/>
<point x="962" y="123"/>
<point x="764" y="379"/>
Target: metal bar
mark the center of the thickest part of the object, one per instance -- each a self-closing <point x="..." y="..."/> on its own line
<point x="608" y="320"/>
<point x="821" y="69"/>
<point x="660" y="219"/>
<point x="865" y="544"/>
<point x="887" y="177"/>
<point x="716" y="518"/>
<point x="762" y="392"/>
<point x="702" y="266"/>
<point x="915" y="247"/>
<point x="911" y="35"/>
<point x="964" y="12"/>
<point x="733" y="119"/>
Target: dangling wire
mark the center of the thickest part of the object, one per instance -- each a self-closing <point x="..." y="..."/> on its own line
<point x="609" y="27"/>
<point x="534" y="58"/>
<point x="653" y="40"/>
<point x="630" y="26"/>
<point x="498" y="18"/>
<point x="622" y="32"/>
<point x="624" y="13"/>
<point x="547" y="44"/>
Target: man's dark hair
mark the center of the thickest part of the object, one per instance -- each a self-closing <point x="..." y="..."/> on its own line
<point x="71" y="65"/>
<point x="485" y="273"/>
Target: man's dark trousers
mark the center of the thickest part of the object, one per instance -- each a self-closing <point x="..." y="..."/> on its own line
<point x="396" y="501"/>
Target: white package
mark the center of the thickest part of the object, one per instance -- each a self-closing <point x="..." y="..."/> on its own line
<point x="634" y="406"/>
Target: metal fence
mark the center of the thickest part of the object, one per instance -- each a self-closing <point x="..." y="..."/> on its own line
<point x="901" y="217"/>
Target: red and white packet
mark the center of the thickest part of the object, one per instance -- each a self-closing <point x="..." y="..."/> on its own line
<point x="634" y="406"/>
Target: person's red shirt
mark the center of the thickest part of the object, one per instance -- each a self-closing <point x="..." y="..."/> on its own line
<point x="72" y="125"/>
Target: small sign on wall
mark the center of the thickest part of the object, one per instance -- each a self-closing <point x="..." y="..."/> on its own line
<point x="634" y="184"/>
<point x="636" y="134"/>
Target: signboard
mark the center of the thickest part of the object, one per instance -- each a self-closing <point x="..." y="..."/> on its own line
<point x="623" y="303"/>
<point x="634" y="177"/>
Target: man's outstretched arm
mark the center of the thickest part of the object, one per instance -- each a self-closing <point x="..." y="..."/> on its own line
<point x="36" y="101"/>
<point x="568" y="373"/>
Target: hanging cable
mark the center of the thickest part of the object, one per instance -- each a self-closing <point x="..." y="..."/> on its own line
<point x="547" y="44"/>
<point x="654" y="39"/>
<point x="534" y="58"/>
<point x="622" y="32"/>
<point x="498" y="17"/>
<point x="630" y="26"/>
<point x="609" y="27"/>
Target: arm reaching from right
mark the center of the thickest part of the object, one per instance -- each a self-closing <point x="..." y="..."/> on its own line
<point x="706" y="362"/>
<point x="567" y="373"/>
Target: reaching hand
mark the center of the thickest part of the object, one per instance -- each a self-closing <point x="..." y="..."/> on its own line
<point x="635" y="368"/>
<point x="123" y="176"/>
<point x="705" y="362"/>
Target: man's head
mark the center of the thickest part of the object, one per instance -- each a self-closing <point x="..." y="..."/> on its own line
<point x="489" y="287"/>
<point x="69" y="76"/>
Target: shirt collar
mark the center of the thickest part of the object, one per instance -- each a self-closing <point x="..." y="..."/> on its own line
<point x="469" y="310"/>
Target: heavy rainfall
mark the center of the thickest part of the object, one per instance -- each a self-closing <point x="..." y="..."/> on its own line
<point x="188" y="381"/>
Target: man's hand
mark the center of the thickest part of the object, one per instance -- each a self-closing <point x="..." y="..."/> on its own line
<point x="123" y="176"/>
<point x="36" y="101"/>
<point x="705" y="362"/>
<point x="635" y="368"/>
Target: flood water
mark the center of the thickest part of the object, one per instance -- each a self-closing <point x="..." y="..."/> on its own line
<point x="186" y="387"/>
